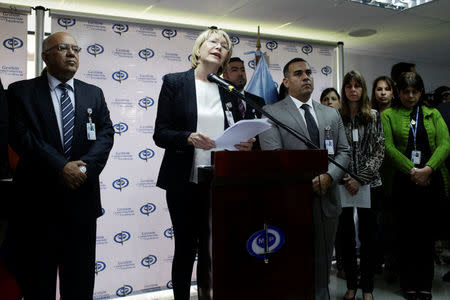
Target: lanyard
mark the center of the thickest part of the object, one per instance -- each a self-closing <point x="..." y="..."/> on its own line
<point x="414" y="125"/>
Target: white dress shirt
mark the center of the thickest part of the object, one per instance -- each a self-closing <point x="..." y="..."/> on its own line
<point x="299" y="104"/>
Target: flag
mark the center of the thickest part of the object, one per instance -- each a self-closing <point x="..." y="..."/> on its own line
<point x="262" y="83"/>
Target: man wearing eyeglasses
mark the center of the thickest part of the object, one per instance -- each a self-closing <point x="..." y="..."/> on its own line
<point x="61" y="129"/>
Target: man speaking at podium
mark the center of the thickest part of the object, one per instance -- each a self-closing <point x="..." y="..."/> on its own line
<point x="320" y="124"/>
<point x="61" y="129"/>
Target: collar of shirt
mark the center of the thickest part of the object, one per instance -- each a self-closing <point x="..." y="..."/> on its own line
<point x="299" y="103"/>
<point x="53" y="82"/>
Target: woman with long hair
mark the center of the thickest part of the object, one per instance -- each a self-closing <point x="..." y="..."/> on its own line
<point x="365" y="136"/>
<point x="417" y="144"/>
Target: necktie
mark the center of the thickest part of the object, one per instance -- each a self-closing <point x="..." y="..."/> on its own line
<point x="311" y="124"/>
<point x="68" y="119"/>
<point x="241" y="108"/>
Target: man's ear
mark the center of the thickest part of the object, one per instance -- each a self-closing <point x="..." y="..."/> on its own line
<point x="44" y="57"/>
<point x="285" y="82"/>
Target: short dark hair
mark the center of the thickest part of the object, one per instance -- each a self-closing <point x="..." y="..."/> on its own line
<point x="406" y="80"/>
<point x="236" y="59"/>
<point x="294" y="60"/>
<point x="327" y="91"/>
<point x="437" y="95"/>
<point x="399" y="68"/>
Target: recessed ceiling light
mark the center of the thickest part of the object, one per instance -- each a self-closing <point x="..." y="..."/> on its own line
<point x="393" y="4"/>
<point x="362" y="32"/>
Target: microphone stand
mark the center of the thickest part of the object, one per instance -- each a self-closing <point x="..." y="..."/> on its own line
<point x="292" y="131"/>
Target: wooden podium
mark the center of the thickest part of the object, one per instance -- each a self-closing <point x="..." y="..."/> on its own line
<point x="256" y="195"/>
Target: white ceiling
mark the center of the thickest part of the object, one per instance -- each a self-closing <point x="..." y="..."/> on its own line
<point x="420" y="34"/>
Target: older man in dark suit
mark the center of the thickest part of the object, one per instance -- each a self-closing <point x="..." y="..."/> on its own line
<point x="62" y="131"/>
<point x="319" y="123"/>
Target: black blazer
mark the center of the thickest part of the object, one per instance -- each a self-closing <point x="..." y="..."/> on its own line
<point x="34" y="135"/>
<point x="176" y="119"/>
<point x="250" y="112"/>
<point x="3" y="132"/>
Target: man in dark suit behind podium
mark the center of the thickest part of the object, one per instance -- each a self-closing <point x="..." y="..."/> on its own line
<point x="235" y="73"/>
<point x="57" y="176"/>
<point x="317" y="122"/>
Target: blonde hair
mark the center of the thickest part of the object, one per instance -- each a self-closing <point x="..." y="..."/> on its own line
<point x="199" y="42"/>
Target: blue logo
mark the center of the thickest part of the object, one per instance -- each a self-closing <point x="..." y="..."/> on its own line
<point x="146" y="154"/>
<point x="169" y="33"/>
<point x="307" y="49"/>
<point x="99" y="266"/>
<point x="120" y="76"/>
<point x="124" y="290"/>
<point x="95" y="49"/>
<point x="326" y="70"/>
<point x="169" y="284"/>
<point x="120" y="128"/>
<point x="146" y="102"/>
<point x="276" y="84"/>
<point x="148" y="208"/>
<point x="13" y="43"/>
<point x="252" y="64"/>
<point x="148" y="261"/>
<point x="256" y="243"/>
<point x="235" y="40"/>
<point x="120" y="184"/>
<point x="146" y="53"/>
<point x="122" y="237"/>
<point x="168" y="233"/>
<point x="103" y="211"/>
<point x="120" y="28"/>
<point x="66" y="22"/>
<point x="189" y="59"/>
<point x="272" y="45"/>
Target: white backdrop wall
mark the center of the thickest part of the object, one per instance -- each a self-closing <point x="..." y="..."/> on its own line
<point x="372" y="66"/>
<point x="128" y="61"/>
<point x="13" y="47"/>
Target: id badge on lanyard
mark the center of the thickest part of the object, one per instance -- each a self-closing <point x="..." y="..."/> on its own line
<point x="416" y="155"/>
<point x="229" y="114"/>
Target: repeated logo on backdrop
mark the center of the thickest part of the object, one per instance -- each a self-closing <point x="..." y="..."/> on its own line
<point x="13" y="43"/>
<point x="122" y="237"/>
<point x="169" y="33"/>
<point x="148" y="261"/>
<point x="168" y="233"/>
<point x="326" y="70"/>
<point x="95" y="49"/>
<point x="146" y="102"/>
<point x="146" y="154"/>
<point x="120" y="184"/>
<point x="307" y="49"/>
<point x="147" y="209"/>
<point x="120" y="28"/>
<point x="235" y="40"/>
<point x="120" y="128"/>
<point x="99" y="266"/>
<point x="120" y="76"/>
<point x="66" y="22"/>
<point x="272" y="45"/>
<point x="124" y="290"/>
<point x="146" y="53"/>
<point x="252" y="64"/>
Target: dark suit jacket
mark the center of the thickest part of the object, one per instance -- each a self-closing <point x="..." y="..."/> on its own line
<point x="3" y="132"/>
<point x="176" y="119"/>
<point x="34" y="135"/>
<point x="250" y="112"/>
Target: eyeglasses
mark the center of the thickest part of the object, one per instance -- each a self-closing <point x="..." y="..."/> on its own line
<point x="216" y="42"/>
<point x="65" y="47"/>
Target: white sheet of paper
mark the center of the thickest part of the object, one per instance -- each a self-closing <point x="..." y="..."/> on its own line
<point x="242" y="131"/>
<point x="361" y="199"/>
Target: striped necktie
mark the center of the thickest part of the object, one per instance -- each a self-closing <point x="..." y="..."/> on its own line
<point x="311" y="125"/>
<point x="68" y="119"/>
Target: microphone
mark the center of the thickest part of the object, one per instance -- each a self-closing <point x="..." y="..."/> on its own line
<point x="216" y="79"/>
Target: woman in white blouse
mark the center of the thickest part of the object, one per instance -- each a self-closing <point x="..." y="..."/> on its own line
<point x="191" y="112"/>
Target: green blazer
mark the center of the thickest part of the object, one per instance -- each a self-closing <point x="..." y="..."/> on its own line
<point x="396" y="125"/>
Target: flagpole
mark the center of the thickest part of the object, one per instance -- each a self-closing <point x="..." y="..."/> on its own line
<point x="258" y="48"/>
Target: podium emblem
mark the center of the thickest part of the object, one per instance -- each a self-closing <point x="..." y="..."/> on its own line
<point x="258" y="246"/>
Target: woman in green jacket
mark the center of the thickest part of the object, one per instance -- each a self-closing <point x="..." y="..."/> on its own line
<point x="417" y="144"/>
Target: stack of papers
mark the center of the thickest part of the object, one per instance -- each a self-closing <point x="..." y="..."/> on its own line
<point x="242" y="131"/>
